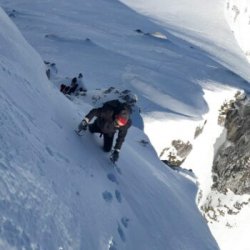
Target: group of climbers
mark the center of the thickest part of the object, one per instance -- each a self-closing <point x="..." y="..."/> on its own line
<point x="76" y="86"/>
<point x="112" y="117"/>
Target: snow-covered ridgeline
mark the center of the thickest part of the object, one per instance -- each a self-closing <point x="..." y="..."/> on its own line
<point x="237" y="13"/>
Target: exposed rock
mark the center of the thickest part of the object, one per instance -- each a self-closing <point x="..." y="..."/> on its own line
<point x="183" y="149"/>
<point x="175" y="155"/>
<point x="218" y="207"/>
<point x="156" y="34"/>
<point x="199" y="129"/>
<point x="231" y="167"/>
<point x="139" y="31"/>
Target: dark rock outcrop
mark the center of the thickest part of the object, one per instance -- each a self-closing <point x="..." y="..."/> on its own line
<point x="177" y="153"/>
<point x="231" y="166"/>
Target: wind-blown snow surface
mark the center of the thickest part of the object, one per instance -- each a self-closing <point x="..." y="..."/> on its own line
<point x="203" y="23"/>
<point x="59" y="191"/>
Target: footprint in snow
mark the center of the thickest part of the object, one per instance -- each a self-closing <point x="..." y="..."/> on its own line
<point x="118" y="196"/>
<point x="112" y="178"/>
<point x="121" y="233"/>
<point x="125" y="221"/>
<point x="107" y="196"/>
<point x="118" y="170"/>
<point x="48" y="149"/>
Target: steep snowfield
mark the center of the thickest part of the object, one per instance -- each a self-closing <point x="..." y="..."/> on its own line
<point x="204" y="24"/>
<point x="59" y="191"/>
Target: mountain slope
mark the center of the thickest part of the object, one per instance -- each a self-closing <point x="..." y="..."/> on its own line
<point x="59" y="191"/>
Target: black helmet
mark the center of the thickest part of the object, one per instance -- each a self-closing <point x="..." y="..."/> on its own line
<point x="130" y="98"/>
<point x="74" y="80"/>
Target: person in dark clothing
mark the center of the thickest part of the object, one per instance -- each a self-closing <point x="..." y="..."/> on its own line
<point x="73" y="86"/>
<point x="112" y="117"/>
<point x="64" y="88"/>
<point x="68" y="90"/>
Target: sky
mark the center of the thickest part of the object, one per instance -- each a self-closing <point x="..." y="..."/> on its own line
<point x="59" y="191"/>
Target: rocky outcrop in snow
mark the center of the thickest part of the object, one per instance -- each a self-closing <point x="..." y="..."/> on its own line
<point x="231" y="166"/>
<point x="176" y="154"/>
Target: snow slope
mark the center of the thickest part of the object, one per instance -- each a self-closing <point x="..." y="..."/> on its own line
<point x="59" y="191"/>
<point x="203" y="23"/>
<point x="237" y="15"/>
<point x="169" y="76"/>
<point x="180" y="74"/>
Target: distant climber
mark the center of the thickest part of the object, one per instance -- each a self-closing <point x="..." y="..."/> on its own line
<point x="64" y="88"/>
<point x="76" y="87"/>
<point x="113" y="116"/>
<point x="81" y="88"/>
<point x="73" y="86"/>
<point x="67" y="90"/>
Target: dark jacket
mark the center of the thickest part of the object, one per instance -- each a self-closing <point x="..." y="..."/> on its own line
<point x="105" y="120"/>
